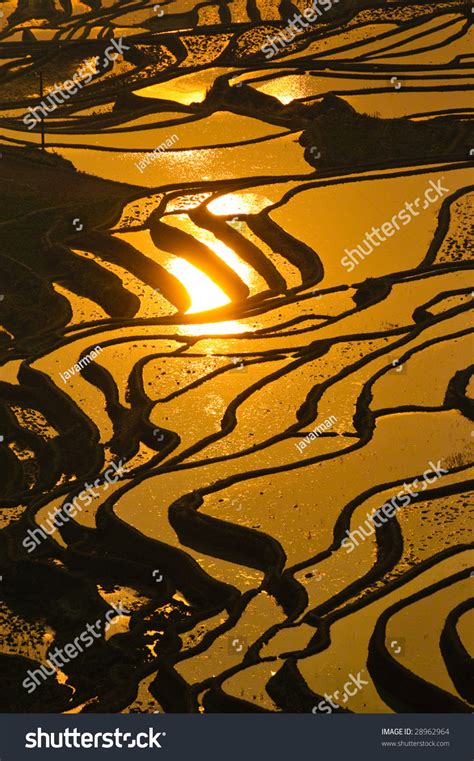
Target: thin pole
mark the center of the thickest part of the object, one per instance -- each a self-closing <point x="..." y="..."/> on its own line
<point x="42" y="115"/>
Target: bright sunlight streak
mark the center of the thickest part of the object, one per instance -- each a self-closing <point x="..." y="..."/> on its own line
<point x="204" y="293"/>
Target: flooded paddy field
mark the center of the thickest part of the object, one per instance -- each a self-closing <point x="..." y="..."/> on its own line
<point x="236" y="379"/>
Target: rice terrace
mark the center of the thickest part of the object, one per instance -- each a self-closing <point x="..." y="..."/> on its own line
<point x="217" y="326"/>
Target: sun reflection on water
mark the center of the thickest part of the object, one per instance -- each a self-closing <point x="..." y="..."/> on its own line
<point x="205" y="296"/>
<point x="204" y="292"/>
<point x="238" y="203"/>
<point x="225" y="252"/>
<point x="228" y="327"/>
